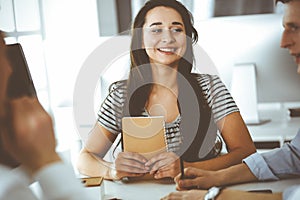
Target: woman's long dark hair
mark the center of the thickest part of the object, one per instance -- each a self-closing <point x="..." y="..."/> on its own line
<point x="140" y="79"/>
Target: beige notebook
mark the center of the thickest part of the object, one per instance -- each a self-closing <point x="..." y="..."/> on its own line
<point x="144" y="135"/>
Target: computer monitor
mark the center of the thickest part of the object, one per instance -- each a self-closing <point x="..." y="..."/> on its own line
<point x="231" y="41"/>
<point x="20" y="82"/>
<point x="252" y="41"/>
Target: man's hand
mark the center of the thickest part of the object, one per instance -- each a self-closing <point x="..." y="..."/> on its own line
<point x="197" y="178"/>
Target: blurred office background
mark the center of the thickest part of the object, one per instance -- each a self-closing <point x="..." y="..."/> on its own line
<point x="58" y="35"/>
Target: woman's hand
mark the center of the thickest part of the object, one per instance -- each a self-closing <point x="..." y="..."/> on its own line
<point x="129" y="164"/>
<point x="196" y="178"/>
<point x="164" y="165"/>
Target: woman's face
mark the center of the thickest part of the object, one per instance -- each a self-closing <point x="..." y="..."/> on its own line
<point x="164" y="36"/>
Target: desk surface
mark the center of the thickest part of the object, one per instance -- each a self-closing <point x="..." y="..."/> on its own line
<point x="275" y="130"/>
<point x="281" y="128"/>
<point x="151" y="190"/>
<point x="138" y="189"/>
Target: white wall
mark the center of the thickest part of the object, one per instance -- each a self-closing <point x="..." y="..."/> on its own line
<point x="71" y="30"/>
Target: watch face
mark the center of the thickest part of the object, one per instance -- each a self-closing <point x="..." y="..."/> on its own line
<point x="212" y="193"/>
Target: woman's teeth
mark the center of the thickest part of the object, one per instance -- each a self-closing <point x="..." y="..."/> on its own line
<point x="169" y="50"/>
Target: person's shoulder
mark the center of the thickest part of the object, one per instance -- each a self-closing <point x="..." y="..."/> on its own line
<point x="206" y="78"/>
<point x="118" y="85"/>
<point x="296" y="141"/>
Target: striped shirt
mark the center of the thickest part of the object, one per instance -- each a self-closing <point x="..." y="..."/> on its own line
<point x="215" y="92"/>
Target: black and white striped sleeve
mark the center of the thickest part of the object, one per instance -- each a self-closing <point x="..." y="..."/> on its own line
<point x="110" y="113"/>
<point x="218" y="96"/>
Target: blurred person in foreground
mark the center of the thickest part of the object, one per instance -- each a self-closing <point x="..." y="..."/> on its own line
<point x="27" y="148"/>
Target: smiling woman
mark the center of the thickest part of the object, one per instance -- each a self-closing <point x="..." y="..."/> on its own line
<point x="160" y="83"/>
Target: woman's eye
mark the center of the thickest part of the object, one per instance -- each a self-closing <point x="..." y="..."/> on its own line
<point x="177" y="30"/>
<point x="160" y="30"/>
<point x="157" y="30"/>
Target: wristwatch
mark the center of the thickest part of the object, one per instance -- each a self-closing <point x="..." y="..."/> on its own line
<point x="212" y="193"/>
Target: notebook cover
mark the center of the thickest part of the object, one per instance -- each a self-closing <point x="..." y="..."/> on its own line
<point x="144" y="135"/>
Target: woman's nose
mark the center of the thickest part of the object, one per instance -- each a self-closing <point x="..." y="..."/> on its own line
<point x="167" y="36"/>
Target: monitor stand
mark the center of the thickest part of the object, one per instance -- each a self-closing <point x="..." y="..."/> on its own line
<point x="244" y="92"/>
<point x="257" y="122"/>
<point x="294" y="112"/>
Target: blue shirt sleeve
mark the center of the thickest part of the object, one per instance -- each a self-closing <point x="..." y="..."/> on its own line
<point x="259" y="167"/>
<point x="279" y="163"/>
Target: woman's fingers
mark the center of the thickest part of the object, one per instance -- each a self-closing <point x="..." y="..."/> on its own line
<point x="161" y="160"/>
<point x="133" y="156"/>
<point x="131" y="163"/>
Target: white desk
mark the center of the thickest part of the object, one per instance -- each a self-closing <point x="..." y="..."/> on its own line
<point x="275" y="130"/>
<point x="152" y="190"/>
<point x="132" y="190"/>
<point x="281" y="128"/>
<point x="138" y="189"/>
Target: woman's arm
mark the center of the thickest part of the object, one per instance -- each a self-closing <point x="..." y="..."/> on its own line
<point x="238" y="142"/>
<point x="90" y="161"/>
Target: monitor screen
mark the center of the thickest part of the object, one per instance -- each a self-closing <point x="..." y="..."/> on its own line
<point x="236" y="40"/>
<point x="20" y="82"/>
